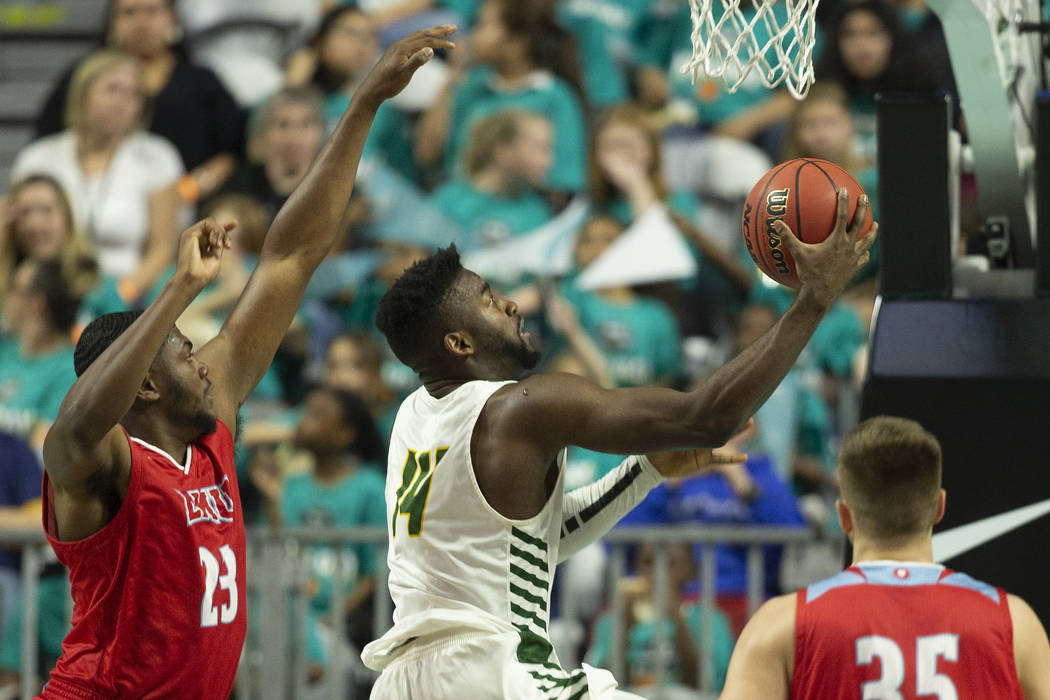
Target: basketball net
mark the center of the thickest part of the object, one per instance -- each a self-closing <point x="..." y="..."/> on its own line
<point x="725" y="44"/>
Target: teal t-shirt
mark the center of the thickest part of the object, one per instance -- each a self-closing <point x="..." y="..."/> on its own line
<point x="640" y="340"/>
<point x="479" y="96"/>
<point x="642" y="650"/>
<point x="609" y="42"/>
<point x="356" y="500"/>
<point x="389" y="139"/>
<point x="103" y="299"/>
<point x="489" y="218"/>
<point x="32" y="388"/>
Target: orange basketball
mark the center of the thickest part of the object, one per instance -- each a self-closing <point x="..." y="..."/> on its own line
<point x="803" y="194"/>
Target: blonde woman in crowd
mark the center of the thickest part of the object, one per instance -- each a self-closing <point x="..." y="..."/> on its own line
<point x="120" y="180"/>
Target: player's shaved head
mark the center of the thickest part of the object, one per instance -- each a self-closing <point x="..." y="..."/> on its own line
<point x="890" y="477"/>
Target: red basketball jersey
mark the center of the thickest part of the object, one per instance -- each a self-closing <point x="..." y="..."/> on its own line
<point x="895" y="630"/>
<point x="159" y="592"/>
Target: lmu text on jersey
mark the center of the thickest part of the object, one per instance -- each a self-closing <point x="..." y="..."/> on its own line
<point x="210" y="504"/>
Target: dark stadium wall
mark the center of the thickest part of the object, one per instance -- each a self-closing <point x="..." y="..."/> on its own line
<point x="977" y="375"/>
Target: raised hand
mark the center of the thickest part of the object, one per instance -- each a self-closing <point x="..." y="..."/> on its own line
<point x="682" y="463"/>
<point x="395" y="68"/>
<point x="825" y="268"/>
<point x="200" y="251"/>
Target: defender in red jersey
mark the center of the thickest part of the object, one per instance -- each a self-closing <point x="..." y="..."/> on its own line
<point x="894" y="625"/>
<point x="140" y="493"/>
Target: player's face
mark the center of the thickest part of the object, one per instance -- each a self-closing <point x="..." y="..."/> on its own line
<point x="865" y="45"/>
<point x="185" y="387"/>
<point x="142" y="27"/>
<point x="497" y="329"/>
<point x="114" y="101"/>
<point x="39" y="221"/>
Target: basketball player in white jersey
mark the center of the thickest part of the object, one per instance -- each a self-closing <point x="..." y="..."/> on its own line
<point x="475" y="506"/>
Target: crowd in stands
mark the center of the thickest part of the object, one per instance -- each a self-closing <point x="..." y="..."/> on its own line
<point x="560" y="148"/>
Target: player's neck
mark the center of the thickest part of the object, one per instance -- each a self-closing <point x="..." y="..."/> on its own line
<point x="917" y="550"/>
<point x="155" y="431"/>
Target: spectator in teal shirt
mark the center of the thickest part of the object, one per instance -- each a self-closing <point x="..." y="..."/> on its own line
<point x="869" y="53"/>
<point x="36" y="358"/>
<point x="524" y="63"/>
<point x="338" y="57"/>
<point x="609" y="34"/>
<point x="354" y="362"/>
<point x="506" y="160"/>
<point x="821" y="126"/>
<point x="344" y="489"/>
<point x="753" y="112"/>
<point x="627" y="179"/>
<point x="681" y="626"/>
<point x="637" y="336"/>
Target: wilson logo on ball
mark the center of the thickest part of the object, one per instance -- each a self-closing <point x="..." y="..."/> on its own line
<point x="776" y="207"/>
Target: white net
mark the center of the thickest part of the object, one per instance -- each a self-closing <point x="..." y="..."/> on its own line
<point x="772" y="38"/>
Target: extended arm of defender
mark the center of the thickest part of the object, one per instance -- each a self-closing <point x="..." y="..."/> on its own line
<point x="590" y="511"/>
<point x="306" y="228"/>
<point x="85" y="438"/>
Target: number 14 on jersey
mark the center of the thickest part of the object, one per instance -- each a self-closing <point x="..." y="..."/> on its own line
<point x="414" y="490"/>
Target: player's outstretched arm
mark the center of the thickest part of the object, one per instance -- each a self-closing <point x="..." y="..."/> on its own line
<point x="1031" y="650"/>
<point x="546" y="412"/>
<point x="762" y="659"/>
<point x="305" y="229"/>
<point x="85" y="440"/>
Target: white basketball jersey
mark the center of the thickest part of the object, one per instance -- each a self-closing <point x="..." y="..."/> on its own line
<point x="455" y="563"/>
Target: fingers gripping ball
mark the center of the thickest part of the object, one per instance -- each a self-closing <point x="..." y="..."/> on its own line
<point x="802" y="193"/>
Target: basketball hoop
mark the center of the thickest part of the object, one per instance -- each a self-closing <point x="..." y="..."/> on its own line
<point x="777" y="42"/>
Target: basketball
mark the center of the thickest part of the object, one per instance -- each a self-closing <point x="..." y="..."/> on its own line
<point x="803" y="194"/>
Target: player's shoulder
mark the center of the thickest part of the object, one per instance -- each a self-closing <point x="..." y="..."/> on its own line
<point x="771" y="630"/>
<point x="1021" y="613"/>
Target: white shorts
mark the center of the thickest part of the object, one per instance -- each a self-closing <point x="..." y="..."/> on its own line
<point x="484" y="666"/>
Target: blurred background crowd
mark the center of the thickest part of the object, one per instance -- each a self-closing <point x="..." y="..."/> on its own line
<point x="564" y="152"/>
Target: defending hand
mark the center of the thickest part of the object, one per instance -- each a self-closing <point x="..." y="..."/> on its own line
<point x="200" y="251"/>
<point x="395" y="68"/>
<point x="683" y="463"/>
<point x="825" y="268"/>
